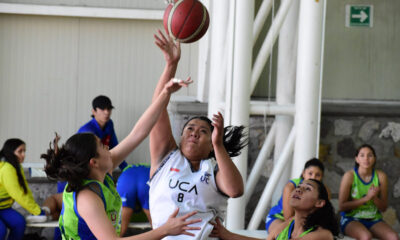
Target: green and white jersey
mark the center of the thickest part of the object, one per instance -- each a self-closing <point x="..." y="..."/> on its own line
<point x="359" y="189"/>
<point x="287" y="232"/>
<point x="73" y="227"/>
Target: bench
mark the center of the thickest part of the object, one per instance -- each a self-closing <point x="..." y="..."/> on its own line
<point x="262" y="234"/>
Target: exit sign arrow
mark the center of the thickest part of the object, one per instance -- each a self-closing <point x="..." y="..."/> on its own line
<point x="362" y="16"/>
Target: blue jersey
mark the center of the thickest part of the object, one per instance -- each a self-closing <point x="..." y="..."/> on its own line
<point x="133" y="188"/>
<point x="106" y="135"/>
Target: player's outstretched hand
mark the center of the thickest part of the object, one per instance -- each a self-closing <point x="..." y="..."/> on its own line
<point x="218" y="132"/>
<point x="170" y="48"/>
<point x="175" y="84"/>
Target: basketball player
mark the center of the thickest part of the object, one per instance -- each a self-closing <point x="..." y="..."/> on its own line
<point x="199" y="174"/>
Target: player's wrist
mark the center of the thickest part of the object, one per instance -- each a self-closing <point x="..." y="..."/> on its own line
<point x="218" y="145"/>
<point x="172" y="63"/>
<point x="166" y="92"/>
<point x="367" y="198"/>
<point x="163" y="230"/>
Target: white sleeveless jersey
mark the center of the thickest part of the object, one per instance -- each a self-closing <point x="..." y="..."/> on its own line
<point x="174" y="185"/>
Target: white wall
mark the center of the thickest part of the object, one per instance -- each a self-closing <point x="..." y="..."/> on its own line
<point x="52" y="67"/>
<point x="138" y="4"/>
<point x="362" y="62"/>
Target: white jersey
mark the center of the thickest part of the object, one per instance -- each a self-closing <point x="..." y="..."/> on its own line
<point x="174" y="185"/>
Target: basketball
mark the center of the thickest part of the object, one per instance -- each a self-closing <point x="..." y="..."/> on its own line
<point x="186" y="20"/>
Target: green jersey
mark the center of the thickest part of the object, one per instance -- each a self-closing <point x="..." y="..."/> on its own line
<point x="287" y="232"/>
<point x="359" y="189"/>
<point x="73" y="227"/>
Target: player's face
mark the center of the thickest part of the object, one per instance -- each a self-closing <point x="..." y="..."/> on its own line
<point x="102" y="116"/>
<point x="20" y="153"/>
<point x="365" y="158"/>
<point x="313" y="172"/>
<point x="196" y="140"/>
<point x="305" y="196"/>
<point x="104" y="156"/>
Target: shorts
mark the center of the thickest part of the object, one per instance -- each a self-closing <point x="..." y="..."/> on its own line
<point x="344" y="220"/>
<point x="133" y="188"/>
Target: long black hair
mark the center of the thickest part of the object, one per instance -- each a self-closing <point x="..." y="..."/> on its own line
<point x="358" y="151"/>
<point x="7" y="153"/>
<point x="325" y="216"/>
<point x="71" y="162"/>
<point x="235" y="139"/>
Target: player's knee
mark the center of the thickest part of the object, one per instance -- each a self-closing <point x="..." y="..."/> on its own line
<point x="18" y="224"/>
<point x="364" y="236"/>
<point x="392" y="236"/>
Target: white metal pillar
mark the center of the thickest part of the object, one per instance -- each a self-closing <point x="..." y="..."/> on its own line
<point x="269" y="41"/>
<point x="308" y="78"/>
<point x="262" y="15"/>
<point x="286" y="79"/>
<point x="243" y="45"/>
<point x="218" y="26"/>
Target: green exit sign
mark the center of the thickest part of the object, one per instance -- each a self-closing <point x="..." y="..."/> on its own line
<point x="359" y="15"/>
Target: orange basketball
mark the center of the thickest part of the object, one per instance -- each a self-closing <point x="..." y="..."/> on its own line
<point x="186" y="20"/>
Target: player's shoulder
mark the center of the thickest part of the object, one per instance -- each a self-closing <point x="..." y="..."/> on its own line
<point x="110" y="123"/>
<point x="87" y="127"/>
<point x="349" y="173"/>
<point x="381" y="174"/>
<point x="292" y="183"/>
<point x="348" y="178"/>
<point x="281" y="227"/>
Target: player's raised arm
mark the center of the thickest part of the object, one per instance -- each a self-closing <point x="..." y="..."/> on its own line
<point x="161" y="138"/>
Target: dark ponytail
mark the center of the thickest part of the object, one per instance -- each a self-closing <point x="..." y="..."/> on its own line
<point x="7" y="153"/>
<point x="71" y="162"/>
<point x="323" y="217"/>
<point x="235" y="139"/>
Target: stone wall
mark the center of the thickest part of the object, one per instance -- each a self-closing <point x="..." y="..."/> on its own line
<point x="341" y="135"/>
